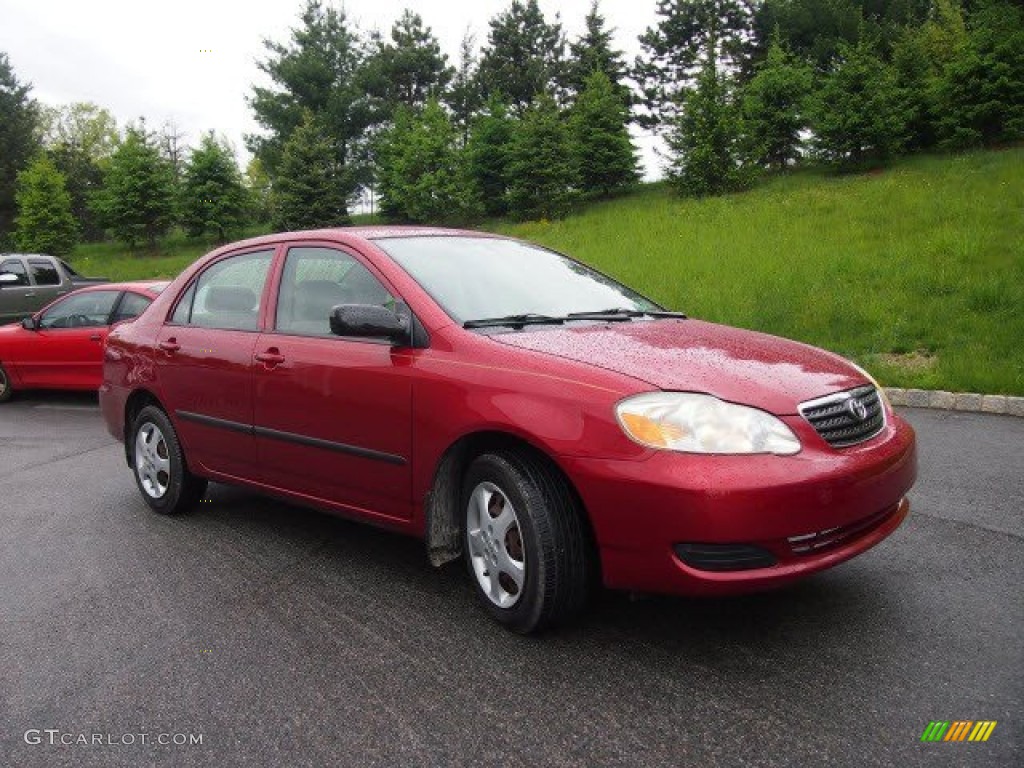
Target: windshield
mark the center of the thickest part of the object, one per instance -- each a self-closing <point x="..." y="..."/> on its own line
<point x="474" y="278"/>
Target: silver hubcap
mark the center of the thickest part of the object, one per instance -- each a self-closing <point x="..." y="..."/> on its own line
<point x="496" y="545"/>
<point x="152" y="462"/>
<point x="3" y="382"/>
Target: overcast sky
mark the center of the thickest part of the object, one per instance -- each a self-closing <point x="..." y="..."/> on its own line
<point x="193" y="61"/>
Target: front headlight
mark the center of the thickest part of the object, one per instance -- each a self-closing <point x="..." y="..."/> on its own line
<point x="693" y="423"/>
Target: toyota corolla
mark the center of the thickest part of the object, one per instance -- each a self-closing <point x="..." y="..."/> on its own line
<point x="510" y="406"/>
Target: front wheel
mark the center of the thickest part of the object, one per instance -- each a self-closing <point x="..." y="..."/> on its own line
<point x="525" y="545"/>
<point x="159" y="465"/>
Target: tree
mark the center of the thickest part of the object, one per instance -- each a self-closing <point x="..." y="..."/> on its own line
<point x="258" y="192"/>
<point x="80" y="138"/>
<point x="489" y="152"/>
<point x="705" y="140"/>
<point x="137" y="199"/>
<point x="523" y="57"/>
<point x="859" y="118"/>
<point x="606" y="160"/>
<point x="542" y="177"/>
<point x="774" y="109"/>
<point x="213" y="198"/>
<point x="18" y="119"/>
<point x="593" y="52"/>
<point x="44" y="223"/>
<point x="317" y="72"/>
<point x="463" y="97"/>
<point x="308" y="191"/>
<point x="409" y="70"/>
<point x="684" y="37"/>
<point x="424" y="177"/>
<point x="982" y="86"/>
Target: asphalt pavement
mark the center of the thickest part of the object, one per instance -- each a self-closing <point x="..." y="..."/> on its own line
<point x="277" y="636"/>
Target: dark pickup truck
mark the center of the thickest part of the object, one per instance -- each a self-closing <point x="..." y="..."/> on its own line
<point x="29" y="281"/>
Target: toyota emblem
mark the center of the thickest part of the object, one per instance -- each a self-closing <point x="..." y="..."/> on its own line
<point x="856" y="409"/>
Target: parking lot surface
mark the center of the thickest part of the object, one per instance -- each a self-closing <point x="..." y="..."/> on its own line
<point x="284" y="637"/>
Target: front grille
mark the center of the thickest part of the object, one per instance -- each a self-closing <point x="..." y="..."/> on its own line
<point x="846" y="418"/>
<point x="724" y="557"/>
<point x="833" y="537"/>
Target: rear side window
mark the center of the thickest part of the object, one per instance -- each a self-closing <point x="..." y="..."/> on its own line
<point x="227" y="295"/>
<point x="43" y="272"/>
<point x="16" y="268"/>
<point x="131" y="306"/>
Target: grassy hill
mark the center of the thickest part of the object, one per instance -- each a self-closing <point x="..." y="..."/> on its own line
<point x="916" y="272"/>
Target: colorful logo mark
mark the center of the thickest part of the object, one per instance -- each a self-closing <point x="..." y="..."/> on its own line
<point x="958" y="730"/>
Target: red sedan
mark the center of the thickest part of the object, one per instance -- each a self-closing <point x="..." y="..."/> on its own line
<point x="61" y="346"/>
<point x="510" y="406"/>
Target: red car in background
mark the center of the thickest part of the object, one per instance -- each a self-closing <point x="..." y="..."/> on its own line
<point x="61" y="345"/>
<point x="511" y="406"/>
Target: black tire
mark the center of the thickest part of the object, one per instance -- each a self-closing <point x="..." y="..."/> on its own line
<point x="556" y="558"/>
<point x="5" y="386"/>
<point x="169" y="492"/>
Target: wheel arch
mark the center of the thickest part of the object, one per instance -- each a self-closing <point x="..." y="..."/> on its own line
<point x="136" y="401"/>
<point x="442" y="505"/>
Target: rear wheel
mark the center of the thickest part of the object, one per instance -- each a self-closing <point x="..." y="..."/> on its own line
<point x="159" y="465"/>
<point x="525" y="545"/>
<point x="5" y="386"/>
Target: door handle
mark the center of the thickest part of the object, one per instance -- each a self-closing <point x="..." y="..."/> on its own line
<point x="170" y="346"/>
<point x="272" y="357"/>
<point x="95" y="337"/>
<point x="30" y="294"/>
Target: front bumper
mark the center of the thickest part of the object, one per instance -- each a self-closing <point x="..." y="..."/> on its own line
<point x="807" y="512"/>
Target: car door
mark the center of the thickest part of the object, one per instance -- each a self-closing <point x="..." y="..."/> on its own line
<point x="204" y="361"/>
<point x="17" y="297"/>
<point x="45" y="280"/>
<point x="65" y="351"/>
<point x="332" y="415"/>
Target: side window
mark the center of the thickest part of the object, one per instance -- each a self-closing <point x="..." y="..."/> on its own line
<point x="227" y="295"/>
<point x="16" y="268"/>
<point x="317" y="279"/>
<point x="132" y="305"/>
<point x="43" y="272"/>
<point x="80" y="310"/>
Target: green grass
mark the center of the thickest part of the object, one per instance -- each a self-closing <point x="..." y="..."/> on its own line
<point x="917" y="272"/>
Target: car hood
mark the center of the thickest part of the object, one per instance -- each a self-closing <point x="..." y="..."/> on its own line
<point x="740" y="366"/>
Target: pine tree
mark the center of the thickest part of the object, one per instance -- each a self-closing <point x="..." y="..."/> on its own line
<point x="18" y="143"/>
<point x="308" y="191"/>
<point x="489" y="152"/>
<point x="705" y="140"/>
<point x="683" y="38"/>
<point x="319" y="71"/>
<point x="524" y="55"/>
<point x="424" y="177"/>
<point x="213" y="198"/>
<point x="463" y="97"/>
<point x="137" y="199"/>
<point x="593" y="52"/>
<point x="981" y="90"/>
<point x="606" y="160"/>
<point x="541" y="169"/>
<point x="44" y="223"/>
<point x="774" y="109"/>
<point x="408" y="69"/>
<point x="859" y="115"/>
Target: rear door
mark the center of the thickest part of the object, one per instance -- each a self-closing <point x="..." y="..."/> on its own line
<point x="332" y="415"/>
<point x="204" y="361"/>
<point x="66" y="350"/>
<point x="18" y="298"/>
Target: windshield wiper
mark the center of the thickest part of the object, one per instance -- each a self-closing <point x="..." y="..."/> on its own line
<point x="514" y="321"/>
<point x="621" y="313"/>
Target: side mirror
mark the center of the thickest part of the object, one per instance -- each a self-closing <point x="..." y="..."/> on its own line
<point x="8" y="278"/>
<point x="369" y="321"/>
<point x="30" y="324"/>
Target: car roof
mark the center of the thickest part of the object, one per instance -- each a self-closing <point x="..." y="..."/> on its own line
<point x="360" y="233"/>
<point x="152" y="287"/>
